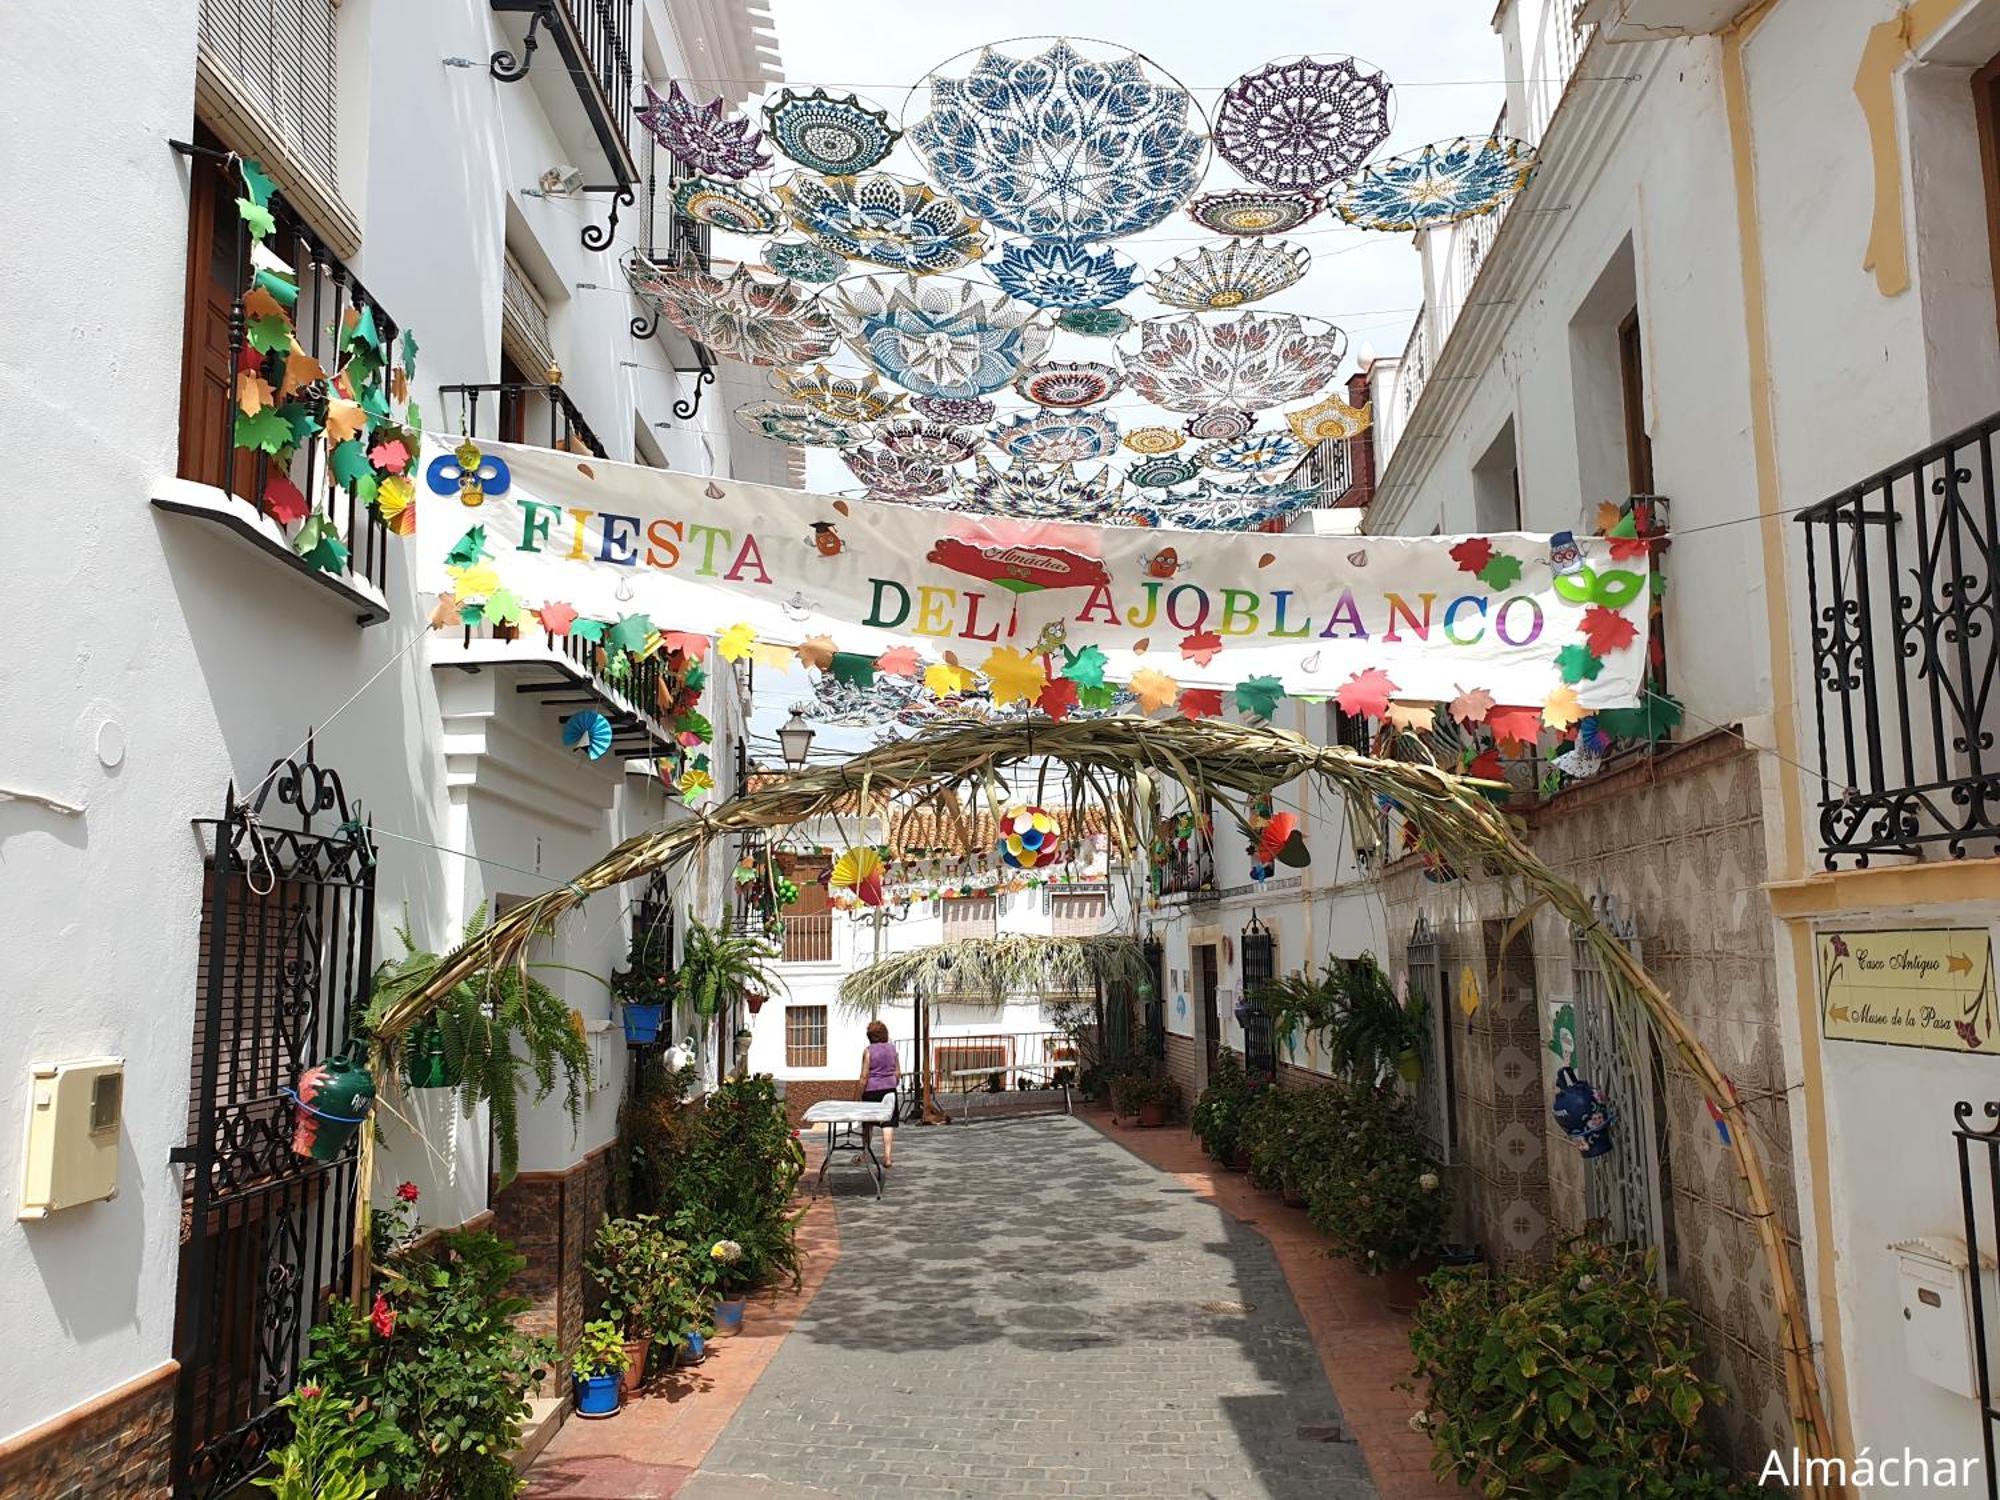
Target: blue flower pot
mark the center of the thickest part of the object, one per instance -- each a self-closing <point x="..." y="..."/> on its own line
<point x="692" y="1352"/>
<point x="728" y="1317"/>
<point x="642" y="1024"/>
<point x="597" y="1396"/>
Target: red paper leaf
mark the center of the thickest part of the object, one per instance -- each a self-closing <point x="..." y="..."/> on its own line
<point x="898" y="661"/>
<point x="1472" y="554"/>
<point x="1201" y="703"/>
<point x="1366" y="694"/>
<point x="680" y="640"/>
<point x="1626" y="548"/>
<point x="1201" y="648"/>
<point x="556" y="617"/>
<point x="390" y="456"/>
<point x="1515" y="727"/>
<point x="1487" y="766"/>
<point x="1606" y="631"/>
<point x="284" y="502"/>
<point x="1059" y="696"/>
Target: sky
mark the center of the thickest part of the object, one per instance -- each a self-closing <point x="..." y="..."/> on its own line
<point x="1441" y="55"/>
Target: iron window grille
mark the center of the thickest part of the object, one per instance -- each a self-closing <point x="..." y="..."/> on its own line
<point x="805" y="1036"/>
<point x="1423" y="964"/>
<point x="1260" y="967"/>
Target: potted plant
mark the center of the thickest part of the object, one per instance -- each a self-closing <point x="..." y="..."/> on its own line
<point x="1217" y="1116"/>
<point x="1377" y="1194"/>
<point x="1154" y="1097"/>
<point x="328" y="1453"/>
<point x="632" y="1260"/>
<point x="644" y="988"/>
<point x="717" y="965"/>
<point x="725" y="1256"/>
<point x="598" y="1365"/>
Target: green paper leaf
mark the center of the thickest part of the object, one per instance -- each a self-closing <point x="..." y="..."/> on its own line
<point x="361" y="369"/>
<point x="701" y="763"/>
<point x="257" y="183"/>
<point x="696" y="678"/>
<point x="1085" y="668"/>
<point x="409" y="353"/>
<point x="468" y="549"/>
<point x="348" y="461"/>
<point x="329" y="554"/>
<point x="696" y="725"/>
<point x="1657" y="581"/>
<point x="617" y="667"/>
<point x="309" y="532"/>
<point x="269" y="334"/>
<point x="472" y="612"/>
<point x="852" y="667"/>
<point x="283" y="288"/>
<point x="1653" y="719"/>
<point x="503" y="607"/>
<point x="266" y="432"/>
<point x="1503" y="572"/>
<point x="302" y="420"/>
<point x="583" y="630"/>
<point x="1576" y="663"/>
<point x="365" y="488"/>
<point x="363" y="331"/>
<point x="1095" y="695"/>
<point x="1259" y="696"/>
<point x="256" y="218"/>
<point x="414" y="420"/>
<point x="375" y="402"/>
<point x="629" y="634"/>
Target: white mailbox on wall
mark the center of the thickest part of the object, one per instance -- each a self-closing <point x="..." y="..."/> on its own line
<point x="1934" y="1284"/>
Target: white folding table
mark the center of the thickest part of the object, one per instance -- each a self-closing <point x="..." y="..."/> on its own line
<point x="845" y="1120"/>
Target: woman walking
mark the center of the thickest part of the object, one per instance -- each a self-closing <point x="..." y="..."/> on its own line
<point x="880" y="1070"/>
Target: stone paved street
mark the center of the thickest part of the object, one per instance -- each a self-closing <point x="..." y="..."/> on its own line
<point x="1033" y="1311"/>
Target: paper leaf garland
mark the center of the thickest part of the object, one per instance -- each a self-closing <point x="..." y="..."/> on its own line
<point x="734" y="643"/>
<point x="444" y="614"/>
<point x="265" y="432"/>
<point x="1259" y="696"/>
<point x="1016" y="677"/>
<point x="1503" y="572"/>
<point x="899" y="661"/>
<point x="1085" y="668"/>
<point x="1471" y="708"/>
<point x="344" y="420"/>
<point x="630" y="633"/>
<point x="1415" y="717"/>
<point x="1366" y="694"/>
<point x="818" y="651"/>
<point x="1201" y="648"/>
<point x="853" y="668"/>
<point x="945" y="680"/>
<point x="556" y="618"/>
<point x="284" y="502"/>
<point x="1576" y="664"/>
<point x="1154" y="690"/>
<point x="1472" y="554"/>
<point x="1059" y="696"/>
<point x="1201" y="703"/>
<point x="1514" y="726"/>
<point x="1562" y="709"/>
<point x="1606" y="630"/>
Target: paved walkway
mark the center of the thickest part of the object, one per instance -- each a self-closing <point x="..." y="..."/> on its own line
<point x="1033" y="1311"/>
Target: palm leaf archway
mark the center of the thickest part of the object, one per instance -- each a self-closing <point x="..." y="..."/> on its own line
<point x="991" y="969"/>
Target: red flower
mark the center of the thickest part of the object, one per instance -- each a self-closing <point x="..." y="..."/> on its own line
<point x="383" y="1316"/>
<point x="309" y="1393"/>
<point x="406" y="1193"/>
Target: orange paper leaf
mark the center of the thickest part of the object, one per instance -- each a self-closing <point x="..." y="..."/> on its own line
<point x="1154" y="690"/>
<point x="253" y="392"/>
<point x="1513" y="726"/>
<point x="1414" y="716"/>
<point x="1562" y="709"/>
<point x="1472" y="708"/>
<point x="816" y="652"/>
<point x="344" y="419"/>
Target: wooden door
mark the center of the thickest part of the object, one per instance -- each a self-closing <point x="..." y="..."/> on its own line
<point x="1211" y="1018"/>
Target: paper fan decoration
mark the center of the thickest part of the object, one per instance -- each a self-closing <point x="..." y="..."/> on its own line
<point x="1253" y="453"/>
<point x="1063" y="146"/>
<point x="1303" y="125"/>
<point x="727" y="206"/>
<point x="588" y="731"/>
<point x="741" y="317"/>
<point x="1328" y="421"/>
<point x="799" y="425"/>
<point x="1095" y="322"/>
<point x="927" y="441"/>
<point x="702" y="137"/>
<point x="802" y="260"/>
<point x="959" y="411"/>
<point x="1220" y="424"/>
<point x="835" y="137"/>
<point x="859" y="871"/>
<point x="842" y="396"/>
<point x="1271" y="837"/>
<point x="884" y="220"/>
<point x="936" y="337"/>
<point x="1037" y="492"/>
<point x="1440" y="184"/>
<point x="1217" y="277"/>
<point x="1062" y="274"/>
<point x="1249" y="361"/>
<point x="891" y="476"/>
<point x="1163" y="473"/>
<point x="1252" y="211"/>
<point x="1030" y="837"/>
<point x="1153" y="441"/>
<point x="1058" y="437"/>
<point x="1068" y="384"/>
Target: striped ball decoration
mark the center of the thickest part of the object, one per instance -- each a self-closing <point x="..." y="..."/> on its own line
<point x="1029" y="837"/>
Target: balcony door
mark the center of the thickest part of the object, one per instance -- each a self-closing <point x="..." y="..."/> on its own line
<point x="1206" y="974"/>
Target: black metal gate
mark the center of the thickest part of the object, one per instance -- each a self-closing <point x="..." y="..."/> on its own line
<point x="1260" y="966"/>
<point x="287" y="939"/>
<point x="1973" y="1144"/>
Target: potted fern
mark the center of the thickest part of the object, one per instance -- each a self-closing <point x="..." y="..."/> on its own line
<point x="717" y="965"/>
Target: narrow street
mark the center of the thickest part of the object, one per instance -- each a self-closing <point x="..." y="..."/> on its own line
<point x="1031" y="1310"/>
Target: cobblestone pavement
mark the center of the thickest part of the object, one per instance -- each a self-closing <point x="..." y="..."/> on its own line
<point x="1033" y="1311"/>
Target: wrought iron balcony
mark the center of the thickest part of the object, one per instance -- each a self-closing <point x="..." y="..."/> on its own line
<point x="568" y="673"/>
<point x="1901" y="572"/>
<point x="513" y="407"/>
<point x="591" y="36"/>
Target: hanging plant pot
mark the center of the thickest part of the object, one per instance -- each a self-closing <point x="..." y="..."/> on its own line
<point x="642" y="1023"/>
<point x="425" y="1065"/>
<point x="754" y="1002"/>
<point x="332" y="1099"/>
<point x="1411" y="1066"/>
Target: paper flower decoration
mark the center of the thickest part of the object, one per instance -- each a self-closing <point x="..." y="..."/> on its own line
<point x="1058" y="437"/>
<point x="859" y="871"/>
<point x="799" y="425"/>
<point x="1250" y="361"/>
<point x="1216" y="277"/>
<point x="1440" y="184"/>
<point x="959" y="411"/>
<point x="727" y="206"/>
<point x="1163" y="473"/>
<point x="1061" y="146"/>
<point x="701" y="137"/>
<point x="588" y="731"/>
<point x="1062" y="274"/>
<point x="841" y="396"/>
<point x="836" y="137"/>
<point x="1153" y="441"/>
<point x="1220" y="424"/>
<point x="884" y="220"/>
<point x="1251" y="212"/>
<point x="891" y="476"/>
<point x="1253" y="453"/>
<point x="802" y="260"/>
<point x="936" y="338"/>
<point x="1328" y="421"/>
<point x="919" y="438"/>
<point x="1303" y="124"/>
<point x="1030" y="837"/>
<point x="1068" y="384"/>
<point x="741" y="317"/>
<point x="1035" y="492"/>
<point x="1095" y="322"/>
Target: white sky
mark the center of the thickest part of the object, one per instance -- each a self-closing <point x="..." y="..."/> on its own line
<point x="1441" y="55"/>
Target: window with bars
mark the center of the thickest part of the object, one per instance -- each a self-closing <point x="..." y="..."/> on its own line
<point x="805" y="1036"/>
<point x="1423" y="961"/>
<point x="1260" y="967"/>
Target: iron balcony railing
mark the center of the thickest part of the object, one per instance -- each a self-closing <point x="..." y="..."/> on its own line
<point x="629" y="700"/>
<point x="672" y="239"/>
<point x="511" y="407"/>
<point x="591" y="36"/>
<point x="1900" y="576"/>
<point x="808" y="937"/>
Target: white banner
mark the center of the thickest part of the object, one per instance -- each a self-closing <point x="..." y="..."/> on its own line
<point x="1436" y="617"/>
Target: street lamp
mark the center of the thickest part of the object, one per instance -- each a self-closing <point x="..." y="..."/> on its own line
<point x="795" y="740"/>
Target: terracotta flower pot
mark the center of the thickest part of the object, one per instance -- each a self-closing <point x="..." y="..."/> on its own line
<point x="1239" y="1160"/>
<point x="1152" y="1115"/>
<point x="635" y="1365"/>
<point x="1401" y="1288"/>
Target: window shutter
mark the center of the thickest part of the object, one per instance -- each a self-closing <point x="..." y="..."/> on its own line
<point x="283" y="57"/>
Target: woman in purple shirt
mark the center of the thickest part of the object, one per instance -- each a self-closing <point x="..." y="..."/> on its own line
<point x="880" y="1070"/>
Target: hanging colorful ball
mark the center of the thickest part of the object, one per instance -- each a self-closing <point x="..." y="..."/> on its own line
<point x="1029" y="836"/>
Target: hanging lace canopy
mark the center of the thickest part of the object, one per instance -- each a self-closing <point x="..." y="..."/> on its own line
<point x="1154" y="441"/>
<point x="1219" y="424"/>
<point x="799" y="425"/>
<point x="1249" y="361"/>
<point x="802" y="260"/>
<point x="1068" y="383"/>
<point x="1095" y="322"/>
<point x="960" y="411"/>
<point x="1058" y="437"/>
<point x="884" y="220"/>
<point x="1217" y="277"/>
<point x="842" y="396"/>
<point x="1217" y="507"/>
<point x="936" y="337"/>
<point x="740" y="316"/>
<point x="1035" y="492"/>
<point x="1164" y="472"/>
<point x="1327" y="421"/>
<point x="1440" y="184"/>
<point x="834" y="137"/>
<point x="1251" y="211"/>
<point x="929" y="441"/>
<point x="891" y="476"/>
<point x="727" y="206"/>
<point x="701" y="137"/>
<point x="1303" y="124"/>
<point x="1062" y="273"/>
<point x="1252" y="453"/>
<point x="1063" y="146"/>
